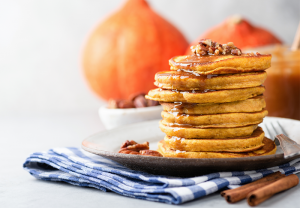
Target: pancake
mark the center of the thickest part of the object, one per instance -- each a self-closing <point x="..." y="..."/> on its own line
<point x="189" y="132"/>
<point x="218" y="96"/>
<point x="250" y="105"/>
<point x="268" y="148"/>
<point x="221" y="64"/>
<point x="238" y="144"/>
<point x="226" y="120"/>
<point x="188" y="81"/>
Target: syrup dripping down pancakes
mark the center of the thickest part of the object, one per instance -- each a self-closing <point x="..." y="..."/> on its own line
<point x="213" y="102"/>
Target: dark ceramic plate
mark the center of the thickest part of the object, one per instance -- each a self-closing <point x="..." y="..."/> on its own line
<point x="107" y="144"/>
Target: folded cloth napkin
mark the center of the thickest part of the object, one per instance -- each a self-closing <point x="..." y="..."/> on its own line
<point x="78" y="167"/>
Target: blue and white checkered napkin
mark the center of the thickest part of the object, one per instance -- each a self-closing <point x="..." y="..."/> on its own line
<point x="77" y="167"/>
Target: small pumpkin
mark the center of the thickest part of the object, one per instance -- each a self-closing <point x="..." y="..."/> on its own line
<point x="239" y="31"/>
<point x="125" y="51"/>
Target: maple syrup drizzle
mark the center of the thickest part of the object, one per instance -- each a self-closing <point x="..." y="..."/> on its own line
<point x="181" y="125"/>
<point x="178" y="116"/>
<point x="194" y="60"/>
<point x="178" y="106"/>
<point x="183" y="74"/>
<point x="192" y="91"/>
<point x="179" y="77"/>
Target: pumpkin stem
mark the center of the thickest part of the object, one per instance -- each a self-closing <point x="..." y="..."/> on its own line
<point x="235" y="19"/>
<point x="133" y="3"/>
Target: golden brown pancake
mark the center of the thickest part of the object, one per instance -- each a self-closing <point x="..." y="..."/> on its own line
<point x="218" y="96"/>
<point x="221" y="64"/>
<point x="188" y="81"/>
<point x="250" y="105"/>
<point x="268" y="148"/>
<point x="189" y="132"/>
<point x="226" y="120"/>
<point x="238" y="144"/>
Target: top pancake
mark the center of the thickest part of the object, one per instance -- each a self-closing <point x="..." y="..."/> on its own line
<point x="221" y="64"/>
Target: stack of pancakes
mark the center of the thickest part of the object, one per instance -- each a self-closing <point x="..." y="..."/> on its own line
<point x="213" y="105"/>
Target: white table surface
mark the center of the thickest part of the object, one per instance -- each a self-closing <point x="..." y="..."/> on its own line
<point x="21" y="135"/>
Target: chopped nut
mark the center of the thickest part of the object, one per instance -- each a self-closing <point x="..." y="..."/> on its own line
<point x="205" y="41"/>
<point x="230" y="44"/>
<point x="203" y="53"/>
<point x="236" y="52"/>
<point x="208" y="47"/>
<point x="204" y="48"/>
<point x="195" y="49"/>
<point x="225" y="51"/>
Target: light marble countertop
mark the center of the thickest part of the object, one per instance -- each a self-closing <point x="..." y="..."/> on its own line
<point x="24" y="134"/>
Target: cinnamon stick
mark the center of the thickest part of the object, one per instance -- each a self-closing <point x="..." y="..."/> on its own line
<point x="256" y="197"/>
<point x="235" y="195"/>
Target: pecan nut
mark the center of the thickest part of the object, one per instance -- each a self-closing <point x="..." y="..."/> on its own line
<point x="127" y="143"/>
<point x="140" y="101"/>
<point x="113" y="104"/>
<point x="152" y="103"/>
<point x="124" y="151"/>
<point x="150" y="153"/>
<point x="138" y="147"/>
<point x="126" y="104"/>
<point x="133" y="148"/>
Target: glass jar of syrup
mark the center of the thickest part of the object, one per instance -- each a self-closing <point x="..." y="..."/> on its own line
<point x="282" y="93"/>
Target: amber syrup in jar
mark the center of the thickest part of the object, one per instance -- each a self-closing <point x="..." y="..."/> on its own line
<point x="282" y="93"/>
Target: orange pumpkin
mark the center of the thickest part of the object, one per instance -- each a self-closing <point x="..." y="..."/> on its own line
<point x="123" y="53"/>
<point x="240" y="32"/>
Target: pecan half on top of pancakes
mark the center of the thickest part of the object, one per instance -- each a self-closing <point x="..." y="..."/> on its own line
<point x="133" y="148"/>
<point x="209" y="47"/>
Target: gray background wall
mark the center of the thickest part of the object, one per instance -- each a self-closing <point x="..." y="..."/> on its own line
<point x="41" y="43"/>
